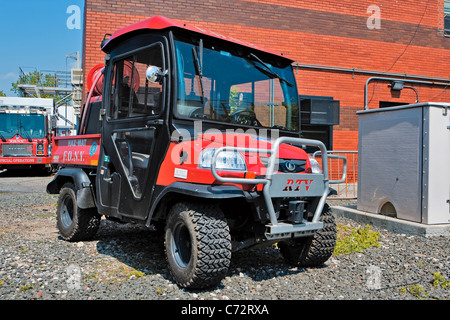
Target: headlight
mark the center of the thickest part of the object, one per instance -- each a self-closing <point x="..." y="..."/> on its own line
<point x="315" y="166"/>
<point x="227" y="160"/>
<point x="40" y="148"/>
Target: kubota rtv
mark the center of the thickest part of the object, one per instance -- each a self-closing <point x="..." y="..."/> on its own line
<point x="198" y="134"/>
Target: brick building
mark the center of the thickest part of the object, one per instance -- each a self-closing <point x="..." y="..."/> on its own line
<point x="337" y="45"/>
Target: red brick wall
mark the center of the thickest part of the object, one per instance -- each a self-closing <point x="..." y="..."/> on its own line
<point x="331" y="33"/>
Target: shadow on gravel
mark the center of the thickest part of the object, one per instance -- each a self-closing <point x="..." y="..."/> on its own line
<point x="143" y="250"/>
<point x="134" y="245"/>
<point x="23" y="173"/>
<point x="263" y="263"/>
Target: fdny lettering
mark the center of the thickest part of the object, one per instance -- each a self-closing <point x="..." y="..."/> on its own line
<point x="73" y="156"/>
<point x="298" y="183"/>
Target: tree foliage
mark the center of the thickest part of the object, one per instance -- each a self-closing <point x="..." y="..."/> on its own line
<point x="35" y="78"/>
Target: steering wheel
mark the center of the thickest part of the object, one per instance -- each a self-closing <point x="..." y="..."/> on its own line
<point x="246" y="117"/>
<point x="198" y="113"/>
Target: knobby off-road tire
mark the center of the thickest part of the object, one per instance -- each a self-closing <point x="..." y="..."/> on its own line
<point x="74" y="223"/>
<point x="197" y="244"/>
<point x="312" y="251"/>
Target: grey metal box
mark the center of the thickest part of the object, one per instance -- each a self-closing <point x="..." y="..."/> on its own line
<point x="404" y="162"/>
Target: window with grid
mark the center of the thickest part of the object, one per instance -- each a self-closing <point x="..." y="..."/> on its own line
<point x="447" y="17"/>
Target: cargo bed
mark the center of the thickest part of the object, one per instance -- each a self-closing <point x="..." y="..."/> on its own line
<point x="76" y="150"/>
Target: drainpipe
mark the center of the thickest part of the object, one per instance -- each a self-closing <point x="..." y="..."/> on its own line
<point x="354" y="71"/>
<point x="397" y="79"/>
<point x="380" y="75"/>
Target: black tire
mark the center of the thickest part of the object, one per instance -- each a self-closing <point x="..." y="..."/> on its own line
<point x="74" y="223"/>
<point x="312" y="251"/>
<point x="197" y="244"/>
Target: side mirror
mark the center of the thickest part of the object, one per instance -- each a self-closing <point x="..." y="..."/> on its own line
<point x="154" y="74"/>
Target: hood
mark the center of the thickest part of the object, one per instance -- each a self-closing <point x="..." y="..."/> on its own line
<point x="243" y="140"/>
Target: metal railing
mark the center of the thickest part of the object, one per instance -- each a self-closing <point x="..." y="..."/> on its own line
<point x="347" y="189"/>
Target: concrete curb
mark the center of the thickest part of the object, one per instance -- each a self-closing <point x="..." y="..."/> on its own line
<point x="392" y="224"/>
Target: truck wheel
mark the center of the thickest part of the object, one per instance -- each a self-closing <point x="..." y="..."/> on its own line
<point x="312" y="251"/>
<point x="197" y="244"/>
<point x="74" y="223"/>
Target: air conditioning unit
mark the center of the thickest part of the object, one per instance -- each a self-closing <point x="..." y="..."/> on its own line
<point x="320" y="111"/>
<point x="76" y="76"/>
<point x="76" y="95"/>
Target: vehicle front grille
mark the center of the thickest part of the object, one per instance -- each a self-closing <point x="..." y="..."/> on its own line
<point x="291" y="165"/>
<point x="286" y="165"/>
<point x="17" y="150"/>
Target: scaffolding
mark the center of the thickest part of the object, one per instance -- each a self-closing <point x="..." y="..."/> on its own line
<point x="67" y="92"/>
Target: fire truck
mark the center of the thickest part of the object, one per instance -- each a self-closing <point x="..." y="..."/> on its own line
<point x="25" y="133"/>
<point x="195" y="134"/>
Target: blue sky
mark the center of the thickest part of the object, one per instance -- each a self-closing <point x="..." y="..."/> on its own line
<point x="37" y="35"/>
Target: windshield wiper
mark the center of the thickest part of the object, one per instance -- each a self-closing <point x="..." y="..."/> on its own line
<point x="268" y="70"/>
<point x="26" y="132"/>
<point x="199" y="68"/>
<point x="2" y="137"/>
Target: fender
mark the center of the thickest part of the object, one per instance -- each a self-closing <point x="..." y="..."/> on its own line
<point x="81" y="181"/>
<point x="203" y="191"/>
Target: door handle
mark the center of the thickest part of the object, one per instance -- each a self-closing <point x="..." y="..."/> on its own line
<point x="155" y="122"/>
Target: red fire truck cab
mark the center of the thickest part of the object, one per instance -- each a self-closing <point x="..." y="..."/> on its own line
<point x="197" y="134"/>
<point x="25" y="137"/>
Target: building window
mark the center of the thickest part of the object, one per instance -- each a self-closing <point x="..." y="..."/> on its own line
<point x="447" y="18"/>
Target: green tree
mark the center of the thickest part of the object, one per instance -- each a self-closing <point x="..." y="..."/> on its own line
<point x="2" y="94"/>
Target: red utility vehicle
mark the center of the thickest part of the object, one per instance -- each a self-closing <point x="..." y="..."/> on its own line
<point x="195" y="133"/>
<point x="25" y="137"/>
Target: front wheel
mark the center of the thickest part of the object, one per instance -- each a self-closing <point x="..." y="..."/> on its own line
<point x="312" y="251"/>
<point x="197" y="244"/>
<point x="74" y="223"/>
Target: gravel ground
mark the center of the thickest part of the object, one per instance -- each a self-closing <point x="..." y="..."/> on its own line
<point x="126" y="262"/>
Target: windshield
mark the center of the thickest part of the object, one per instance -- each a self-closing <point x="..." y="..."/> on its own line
<point x="28" y="126"/>
<point x="230" y="87"/>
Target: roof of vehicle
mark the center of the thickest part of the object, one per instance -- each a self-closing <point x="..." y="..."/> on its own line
<point x="26" y="104"/>
<point x="160" y="22"/>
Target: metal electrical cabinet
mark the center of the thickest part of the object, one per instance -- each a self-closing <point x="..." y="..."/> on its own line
<point x="404" y="162"/>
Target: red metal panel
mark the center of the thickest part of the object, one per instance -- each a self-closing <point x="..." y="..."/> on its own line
<point x="24" y="160"/>
<point x="160" y="22"/>
<point x="79" y="150"/>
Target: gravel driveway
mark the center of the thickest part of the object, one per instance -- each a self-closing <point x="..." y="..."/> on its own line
<point x="126" y="262"/>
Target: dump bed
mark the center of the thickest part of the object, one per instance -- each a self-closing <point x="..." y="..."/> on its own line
<point x="80" y="150"/>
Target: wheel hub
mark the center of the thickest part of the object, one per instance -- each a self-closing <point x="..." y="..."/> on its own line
<point x="181" y="245"/>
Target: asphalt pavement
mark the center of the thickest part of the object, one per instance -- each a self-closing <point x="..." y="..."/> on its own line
<point x="24" y="181"/>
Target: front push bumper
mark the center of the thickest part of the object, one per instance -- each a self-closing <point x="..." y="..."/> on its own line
<point x="287" y="185"/>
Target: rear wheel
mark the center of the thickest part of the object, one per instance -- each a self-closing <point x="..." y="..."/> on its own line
<point x="312" y="251"/>
<point x="197" y="244"/>
<point x="74" y="223"/>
